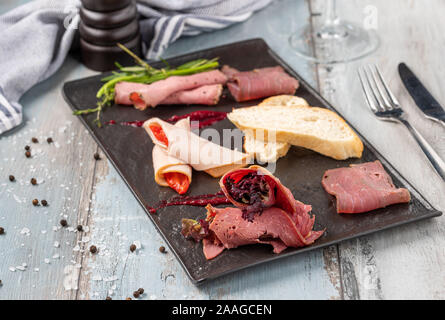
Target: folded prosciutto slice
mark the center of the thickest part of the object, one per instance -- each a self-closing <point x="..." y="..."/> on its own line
<point x="362" y="188"/>
<point x="259" y="83"/>
<point x="151" y="95"/>
<point x="201" y="154"/>
<point x="274" y="217"/>
<point x="170" y="171"/>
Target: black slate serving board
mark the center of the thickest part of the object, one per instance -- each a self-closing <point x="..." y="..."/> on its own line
<point x="129" y="150"/>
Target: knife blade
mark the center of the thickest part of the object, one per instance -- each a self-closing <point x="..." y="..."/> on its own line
<point x="423" y="98"/>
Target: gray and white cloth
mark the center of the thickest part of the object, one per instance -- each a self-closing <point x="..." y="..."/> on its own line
<point x="35" y="38"/>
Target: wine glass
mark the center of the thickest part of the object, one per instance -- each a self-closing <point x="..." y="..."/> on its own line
<point x="334" y="41"/>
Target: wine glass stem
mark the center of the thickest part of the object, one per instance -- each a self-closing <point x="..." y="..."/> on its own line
<point x="331" y="12"/>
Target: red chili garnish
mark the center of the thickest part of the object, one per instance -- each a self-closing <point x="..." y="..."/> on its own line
<point x="159" y="133"/>
<point x="177" y="181"/>
<point x="136" y="98"/>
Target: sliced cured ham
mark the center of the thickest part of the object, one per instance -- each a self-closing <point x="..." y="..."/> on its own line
<point x="201" y="154"/>
<point x="363" y="188"/>
<point x="259" y="83"/>
<point x="170" y="171"/>
<point x="151" y="95"/>
<point x="274" y="227"/>
<point x="277" y="219"/>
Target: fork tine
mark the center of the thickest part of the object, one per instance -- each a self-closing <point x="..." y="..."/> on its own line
<point x="385" y="85"/>
<point x="380" y="106"/>
<point x="368" y="98"/>
<point x="377" y="85"/>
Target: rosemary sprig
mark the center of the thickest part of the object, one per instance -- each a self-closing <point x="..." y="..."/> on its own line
<point x="141" y="73"/>
<point x="106" y="101"/>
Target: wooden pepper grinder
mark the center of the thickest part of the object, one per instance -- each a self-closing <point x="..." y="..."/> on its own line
<point x="103" y="24"/>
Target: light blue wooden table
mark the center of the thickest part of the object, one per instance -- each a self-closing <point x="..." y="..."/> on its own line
<point x="39" y="260"/>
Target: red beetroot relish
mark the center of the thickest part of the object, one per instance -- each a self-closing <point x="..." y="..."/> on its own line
<point x="250" y="189"/>
<point x="195" y="201"/>
<point x="202" y="115"/>
<point x="206" y="118"/>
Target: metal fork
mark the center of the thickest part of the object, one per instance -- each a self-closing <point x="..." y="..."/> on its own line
<point x="385" y="106"/>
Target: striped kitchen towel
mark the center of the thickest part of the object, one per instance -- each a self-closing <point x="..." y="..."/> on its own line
<point x="35" y="38"/>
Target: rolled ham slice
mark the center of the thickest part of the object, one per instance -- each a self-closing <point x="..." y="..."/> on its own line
<point x="205" y="95"/>
<point x="259" y="83"/>
<point x="151" y="95"/>
<point x="163" y="163"/>
<point x="201" y="154"/>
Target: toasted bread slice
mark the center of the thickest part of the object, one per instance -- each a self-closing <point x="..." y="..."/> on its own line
<point x="284" y="100"/>
<point x="313" y="128"/>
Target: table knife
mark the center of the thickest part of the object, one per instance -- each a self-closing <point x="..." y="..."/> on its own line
<point x="423" y="98"/>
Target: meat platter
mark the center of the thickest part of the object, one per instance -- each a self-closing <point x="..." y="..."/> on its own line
<point x="301" y="170"/>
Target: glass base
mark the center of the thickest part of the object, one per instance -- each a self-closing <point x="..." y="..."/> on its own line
<point x="337" y="42"/>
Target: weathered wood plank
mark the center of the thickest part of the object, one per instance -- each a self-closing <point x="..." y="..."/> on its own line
<point x="406" y="262"/>
<point x="64" y="171"/>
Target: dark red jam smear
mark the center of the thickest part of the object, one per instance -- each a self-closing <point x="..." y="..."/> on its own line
<point x="251" y="190"/>
<point x="204" y="117"/>
<point x="195" y="201"/>
<point x="136" y="124"/>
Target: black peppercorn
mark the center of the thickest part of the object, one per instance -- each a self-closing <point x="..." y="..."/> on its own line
<point x="35" y="202"/>
<point x="96" y="156"/>
<point x="44" y="203"/>
<point x="49" y="140"/>
<point x="93" y="249"/>
<point x="79" y="228"/>
<point x="27" y="148"/>
<point x="28" y="154"/>
<point x="162" y="249"/>
<point x="11" y="178"/>
<point x="141" y="290"/>
<point x="136" y="294"/>
<point x="63" y="223"/>
<point x="2" y="230"/>
<point x="33" y="181"/>
<point x="133" y="247"/>
<point x="34" y="140"/>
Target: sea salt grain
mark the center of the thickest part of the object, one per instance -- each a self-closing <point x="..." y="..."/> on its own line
<point x="25" y="231"/>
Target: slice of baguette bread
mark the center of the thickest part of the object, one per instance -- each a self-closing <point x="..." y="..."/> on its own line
<point x="284" y="100"/>
<point x="267" y="152"/>
<point x="317" y="129"/>
<point x="264" y="152"/>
